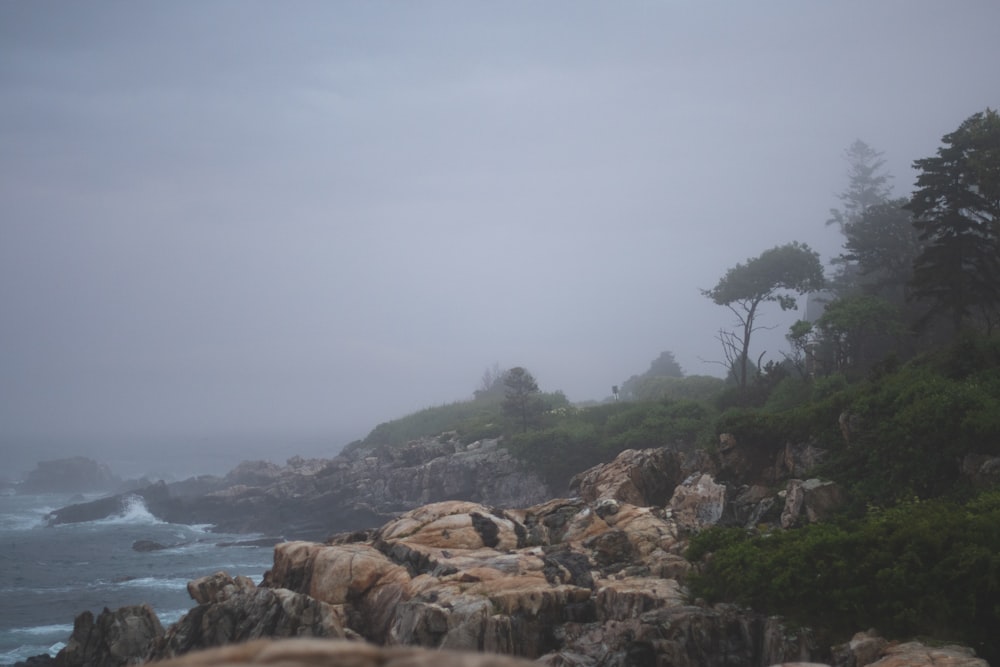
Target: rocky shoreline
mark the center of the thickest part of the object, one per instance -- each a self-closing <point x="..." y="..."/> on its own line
<point x="592" y="580"/>
<point x="313" y="498"/>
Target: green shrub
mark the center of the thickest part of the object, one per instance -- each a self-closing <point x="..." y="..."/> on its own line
<point x="915" y="427"/>
<point x="923" y="568"/>
<point x="791" y="392"/>
<point x="559" y="453"/>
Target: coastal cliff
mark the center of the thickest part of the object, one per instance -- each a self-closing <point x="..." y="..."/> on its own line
<point x="313" y="498"/>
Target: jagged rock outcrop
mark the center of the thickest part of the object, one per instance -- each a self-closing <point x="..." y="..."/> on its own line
<point x="698" y="502"/>
<point x="235" y="610"/>
<point x="639" y="477"/>
<point x="114" y="638"/>
<point x="542" y="582"/>
<point x="810" y="501"/>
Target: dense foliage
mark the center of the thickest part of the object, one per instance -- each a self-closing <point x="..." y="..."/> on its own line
<point x="927" y="568"/>
<point x="957" y="209"/>
<point x="582" y="438"/>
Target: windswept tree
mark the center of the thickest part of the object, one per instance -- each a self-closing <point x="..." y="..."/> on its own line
<point x="521" y="400"/>
<point x="779" y="275"/>
<point x="957" y="209"/>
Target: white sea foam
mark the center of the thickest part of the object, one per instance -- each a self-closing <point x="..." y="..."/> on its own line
<point x="168" y="618"/>
<point x="33" y="641"/>
<point x="45" y="630"/>
<point x="155" y="582"/>
<point x="25" y="521"/>
<point x="134" y="511"/>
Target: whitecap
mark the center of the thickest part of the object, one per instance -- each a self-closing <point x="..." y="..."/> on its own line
<point x="168" y="618"/>
<point x="154" y="582"/>
<point x="45" y="630"/>
<point x="134" y="511"/>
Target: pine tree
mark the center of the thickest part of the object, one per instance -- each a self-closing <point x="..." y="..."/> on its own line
<point x="957" y="209"/>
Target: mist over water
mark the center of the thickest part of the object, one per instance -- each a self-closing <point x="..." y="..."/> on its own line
<point x="168" y="458"/>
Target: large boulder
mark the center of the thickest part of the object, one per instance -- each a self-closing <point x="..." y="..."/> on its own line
<point x="357" y="577"/>
<point x="643" y="477"/>
<point x="810" y="501"/>
<point x="698" y="502"/>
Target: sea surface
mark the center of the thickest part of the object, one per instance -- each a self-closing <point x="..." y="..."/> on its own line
<point x="49" y="574"/>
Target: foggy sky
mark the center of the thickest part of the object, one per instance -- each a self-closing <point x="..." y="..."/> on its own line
<point x="275" y="225"/>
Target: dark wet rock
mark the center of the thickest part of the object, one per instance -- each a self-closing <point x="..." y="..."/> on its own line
<point x="259" y="542"/>
<point x="148" y="545"/>
<point x="114" y="638"/>
<point x="233" y="610"/>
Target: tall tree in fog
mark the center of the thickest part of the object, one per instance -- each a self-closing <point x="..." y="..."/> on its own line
<point x="957" y="209"/>
<point x="521" y="399"/>
<point x="882" y="243"/>
<point x="867" y="186"/>
<point x="778" y="275"/>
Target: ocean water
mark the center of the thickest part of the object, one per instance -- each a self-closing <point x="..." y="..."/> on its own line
<point x="49" y="574"/>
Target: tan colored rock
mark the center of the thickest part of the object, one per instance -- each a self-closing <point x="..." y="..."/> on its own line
<point x="453" y="525"/>
<point x="698" y="502"/>
<point x="349" y="574"/>
<point x="506" y="614"/>
<point x="334" y="574"/>
<point x="217" y="587"/>
<point x="643" y="477"/>
<point x="915" y="654"/>
<point x="864" y="648"/>
<point x="316" y="653"/>
<point x="620" y="599"/>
